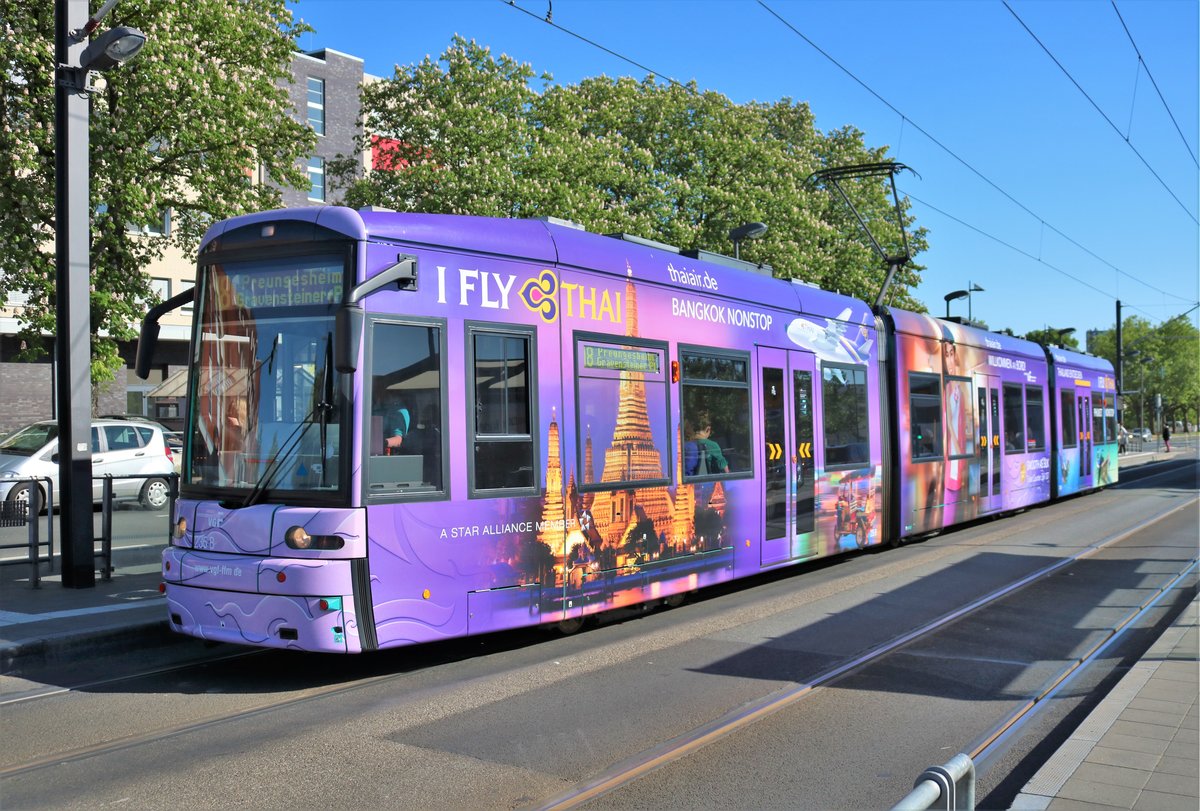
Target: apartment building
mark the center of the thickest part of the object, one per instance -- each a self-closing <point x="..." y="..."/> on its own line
<point x="325" y="94"/>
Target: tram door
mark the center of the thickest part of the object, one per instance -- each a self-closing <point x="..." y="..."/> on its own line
<point x="787" y="453"/>
<point x="990" y="463"/>
<point x="1084" y="403"/>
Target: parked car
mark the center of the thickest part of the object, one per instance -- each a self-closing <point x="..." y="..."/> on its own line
<point x="1145" y="433"/>
<point x="119" y="447"/>
<point x="174" y="439"/>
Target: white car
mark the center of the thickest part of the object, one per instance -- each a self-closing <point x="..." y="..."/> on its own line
<point x="120" y="448"/>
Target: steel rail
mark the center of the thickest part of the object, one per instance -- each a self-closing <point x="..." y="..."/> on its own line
<point x="682" y="745"/>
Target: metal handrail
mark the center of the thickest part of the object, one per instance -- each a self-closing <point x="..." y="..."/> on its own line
<point x="950" y="787"/>
<point x="106" y="505"/>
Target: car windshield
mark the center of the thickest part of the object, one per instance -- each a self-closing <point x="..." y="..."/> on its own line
<point x="30" y="439"/>
<point x="267" y="412"/>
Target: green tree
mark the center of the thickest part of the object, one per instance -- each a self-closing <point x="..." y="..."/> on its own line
<point x="1052" y="337"/>
<point x="664" y="161"/>
<point x="1161" y="362"/>
<point x="181" y="128"/>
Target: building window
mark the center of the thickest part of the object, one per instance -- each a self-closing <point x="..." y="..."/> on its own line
<point x="161" y="288"/>
<point x="847" y="435"/>
<point x="502" y="404"/>
<point x="716" y="413"/>
<point x="316" y="105"/>
<point x="184" y="286"/>
<point x="316" y="177"/>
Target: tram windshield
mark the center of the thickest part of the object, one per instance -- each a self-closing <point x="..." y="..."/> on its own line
<point x="267" y="409"/>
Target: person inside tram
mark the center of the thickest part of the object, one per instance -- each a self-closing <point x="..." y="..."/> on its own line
<point x="701" y="454"/>
<point x="390" y="420"/>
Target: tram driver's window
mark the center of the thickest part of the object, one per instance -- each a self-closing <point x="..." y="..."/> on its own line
<point x="405" y="418"/>
<point x="716" y="413"/>
<point x="502" y="397"/>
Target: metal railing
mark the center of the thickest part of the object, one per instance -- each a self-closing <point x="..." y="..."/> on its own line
<point x="26" y="513"/>
<point x="950" y="787"/>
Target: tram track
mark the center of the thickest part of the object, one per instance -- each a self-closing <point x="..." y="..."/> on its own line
<point x="684" y="745"/>
<point x="678" y="747"/>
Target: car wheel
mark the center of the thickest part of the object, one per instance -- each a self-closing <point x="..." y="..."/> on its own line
<point x="20" y="495"/>
<point x="155" y="494"/>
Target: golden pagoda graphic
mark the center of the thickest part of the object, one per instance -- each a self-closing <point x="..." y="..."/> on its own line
<point x="553" y="523"/>
<point x="632" y="456"/>
<point x="683" y="525"/>
<point x="592" y="531"/>
<point x="589" y="467"/>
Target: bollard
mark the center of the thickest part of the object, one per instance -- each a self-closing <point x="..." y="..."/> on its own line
<point x="33" y="510"/>
<point x="106" y="567"/>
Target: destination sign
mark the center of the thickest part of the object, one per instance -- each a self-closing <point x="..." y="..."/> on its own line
<point x="620" y="360"/>
<point x="287" y="287"/>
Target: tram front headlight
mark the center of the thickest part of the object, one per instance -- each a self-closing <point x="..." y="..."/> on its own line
<point x="298" y="538"/>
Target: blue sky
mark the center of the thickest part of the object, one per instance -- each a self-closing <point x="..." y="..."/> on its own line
<point x="1041" y="186"/>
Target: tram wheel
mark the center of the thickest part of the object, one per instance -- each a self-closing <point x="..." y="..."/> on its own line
<point x="570" y="626"/>
<point x="675" y="600"/>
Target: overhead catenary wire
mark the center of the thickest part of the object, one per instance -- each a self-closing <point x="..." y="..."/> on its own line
<point x="904" y="119"/>
<point x="1103" y="115"/>
<point x="1142" y="63"/>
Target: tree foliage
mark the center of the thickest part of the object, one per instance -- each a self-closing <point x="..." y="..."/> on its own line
<point x="182" y="127"/>
<point x="1053" y="337"/>
<point x="470" y="135"/>
<point x="1161" y="360"/>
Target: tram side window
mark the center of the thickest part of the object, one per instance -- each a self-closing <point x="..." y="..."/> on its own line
<point x="1035" y="418"/>
<point x="1110" y="417"/>
<point x="502" y="395"/>
<point x="847" y="432"/>
<point x="716" y="392"/>
<point x="621" y="408"/>
<point x="1097" y="417"/>
<point x="404" y="425"/>
<point x="925" y="407"/>
<point x="1070" y="432"/>
<point x="1014" y="418"/>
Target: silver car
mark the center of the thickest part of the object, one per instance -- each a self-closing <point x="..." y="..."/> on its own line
<point x="120" y="448"/>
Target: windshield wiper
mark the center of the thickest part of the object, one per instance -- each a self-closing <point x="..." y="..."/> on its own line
<point x="326" y="404"/>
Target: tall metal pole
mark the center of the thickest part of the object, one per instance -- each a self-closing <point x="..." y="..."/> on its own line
<point x="1120" y="367"/>
<point x="73" y="319"/>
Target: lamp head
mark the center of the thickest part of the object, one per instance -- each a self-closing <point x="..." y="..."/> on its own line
<point x="957" y="294"/>
<point x="751" y="230"/>
<point x="111" y="48"/>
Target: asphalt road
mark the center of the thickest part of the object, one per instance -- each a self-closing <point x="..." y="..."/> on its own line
<point x="523" y="719"/>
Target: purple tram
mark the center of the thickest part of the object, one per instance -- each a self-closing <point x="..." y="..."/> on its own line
<point x="410" y="427"/>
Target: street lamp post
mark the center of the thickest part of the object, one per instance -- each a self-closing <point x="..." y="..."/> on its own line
<point x="72" y="234"/>
<point x="1062" y="333"/>
<point x="972" y="288"/>
<point x="957" y="294"/>
<point x="751" y="230"/>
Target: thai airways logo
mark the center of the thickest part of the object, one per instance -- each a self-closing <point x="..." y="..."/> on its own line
<point x="540" y="294"/>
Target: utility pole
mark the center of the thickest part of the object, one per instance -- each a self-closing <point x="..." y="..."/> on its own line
<point x="1120" y="369"/>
